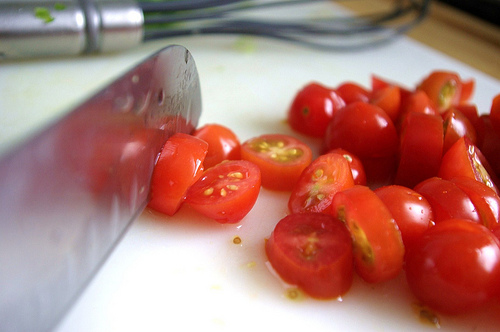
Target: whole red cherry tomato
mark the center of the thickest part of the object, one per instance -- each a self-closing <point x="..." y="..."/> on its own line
<point x="281" y="159"/>
<point x="454" y="267"/>
<point x="223" y="144"/>
<point x="314" y="252"/>
<point x="312" y="109"/>
<point x="227" y="191"/>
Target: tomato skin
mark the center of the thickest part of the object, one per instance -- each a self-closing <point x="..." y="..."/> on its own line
<point x="378" y="246"/>
<point x="281" y="159"/>
<point x="227" y="191"/>
<point x="363" y="129"/>
<point x="179" y="165"/>
<point x="223" y="144"/>
<point x="352" y="92"/>
<point x="495" y="113"/>
<point x="319" y="182"/>
<point x="357" y="169"/>
<point x="411" y="211"/>
<point x="388" y="99"/>
<point x="421" y="148"/>
<point x="314" y="252"/>
<point x="447" y="200"/>
<point x="455" y="267"/>
<point x="464" y="159"/>
<point x="489" y="143"/>
<point x="443" y="88"/>
<point x="312" y="108"/>
<point x="457" y="125"/>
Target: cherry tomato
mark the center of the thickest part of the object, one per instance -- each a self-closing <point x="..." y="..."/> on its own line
<point x="470" y="112"/>
<point x="319" y="182"/>
<point x="443" y="88"/>
<point x="410" y="210"/>
<point x="227" y="191"/>
<point x="484" y="198"/>
<point x="468" y="87"/>
<point x="388" y="99"/>
<point x="357" y="169"/>
<point x="455" y="267"/>
<point x="463" y="159"/>
<point x="421" y="148"/>
<point x="363" y="129"/>
<point x="495" y="113"/>
<point x="352" y="92"/>
<point x="312" y="108"/>
<point x="314" y="252"/>
<point x="419" y="102"/>
<point x="456" y="125"/>
<point x="223" y="144"/>
<point x="489" y="144"/>
<point x="179" y="165"/>
<point x="281" y="159"/>
<point x="447" y="200"/>
<point x="378" y="246"/>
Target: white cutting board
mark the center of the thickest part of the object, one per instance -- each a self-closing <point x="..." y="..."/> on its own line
<point x="184" y="273"/>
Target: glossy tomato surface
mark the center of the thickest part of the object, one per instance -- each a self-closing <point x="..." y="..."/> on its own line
<point x="357" y="168"/>
<point x="352" y="92"/>
<point x="314" y="252"/>
<point x="179" y="165"/>
<point x="457" y="125"/>
<point x="281" y="159"/>
<point x="455" y="267"/>
<point x="227" y="191"/>
<point x="312" y="109"/>
<point x="223" y="144"/>
<point x="389" y="99"/>
<point x="444" y="88"/>
<point x="378" y="246"/>
<point x="319" y="182"/>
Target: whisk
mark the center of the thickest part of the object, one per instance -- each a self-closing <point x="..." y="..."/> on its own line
<point x="73" y="27"/>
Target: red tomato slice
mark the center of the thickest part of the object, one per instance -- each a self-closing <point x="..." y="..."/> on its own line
<point x="319" y="182"/>
<point x="312" y="109"/>
<point x="421" y="148"/>
<point x="443" y="88"/>
<point x="223" y="144"/>
<point x="485" y="200"/>
<point x="489" y="145"/>
<point x="363" y="129"/>
<point x="456" y="125"/>
<point x="447" y="200"/>
<point x="180" y="164"/>
<point x="378" y="246"/>
<point x="470" y="112"/>
<point x="227" y="191"/>
<point x="352" y="92"/>
<point x="455" y="267"/>
<point x="357" y="169"/>
<point x="314" y="252"/>
<point x="410" y="210"/>
<point x="281" y="159"/>
<point x="463" y="159"/>
<point x="468" y="87"/>
<point x="388" y="99"/>
<point x="495" y="113"/>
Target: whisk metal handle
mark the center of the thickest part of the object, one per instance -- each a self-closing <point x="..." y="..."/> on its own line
<point x="68" y="27"/>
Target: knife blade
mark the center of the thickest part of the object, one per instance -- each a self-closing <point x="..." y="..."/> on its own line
<point x="69" y="193"/>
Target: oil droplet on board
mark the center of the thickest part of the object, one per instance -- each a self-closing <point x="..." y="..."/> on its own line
<point x="237" y="240"/>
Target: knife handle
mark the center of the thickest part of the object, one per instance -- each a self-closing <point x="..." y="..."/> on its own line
<point x="68" y="27"/>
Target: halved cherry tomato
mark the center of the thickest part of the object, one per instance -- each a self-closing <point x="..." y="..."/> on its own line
<point x="388" y="99"/>
<point x="319" y="182"/>
<point x="363" y="129"/>
<point x="470" y="112"/>
<point x="312" y="109"/>
<point x="455" y="267"/>
<point x="489" y="145"/>
<point x="281" y="159"/>
<point x="421" y="148"/>
<point x="447" y="200"/>
<point x="484" y="198"/>
<point x="223" y="144"/>
<point x="378" y="246"/>
<point x="227" y="191"/>
<point x="443" y="88"/>
<point x="410" y="210"/>
<point x="495" y="113"/>
<point x="314" y="252"/>
<point x="357" y="169"/>
<point x="352" y="92"/>
<point x="463" y="159"/>
<point x="468" y="87"/>
<point x="456" y="125"/>
<point x="179" y="165"/>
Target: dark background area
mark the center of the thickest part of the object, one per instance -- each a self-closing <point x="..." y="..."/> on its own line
<point x="488" y="10"/>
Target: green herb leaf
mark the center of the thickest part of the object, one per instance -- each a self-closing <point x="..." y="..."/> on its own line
<point x="43" y="13"/>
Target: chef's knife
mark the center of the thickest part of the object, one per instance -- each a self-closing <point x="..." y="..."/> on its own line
<point x="68" y="194"/>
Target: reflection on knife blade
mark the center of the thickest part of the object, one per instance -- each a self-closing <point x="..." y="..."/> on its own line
<point x="68" y="195"/>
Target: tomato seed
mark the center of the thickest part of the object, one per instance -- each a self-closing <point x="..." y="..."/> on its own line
<point x="208" y="191"/>
<point x="237" y="175"/>
<point x="223" y="192"/>
<point x="232" y="187"/>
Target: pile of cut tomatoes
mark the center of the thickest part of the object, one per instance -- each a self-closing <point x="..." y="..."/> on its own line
<point x="406" y="182"/>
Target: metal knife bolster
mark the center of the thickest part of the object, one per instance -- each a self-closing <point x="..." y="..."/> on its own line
<point x="68" y="27"/>
<point x="68" y="194"/>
